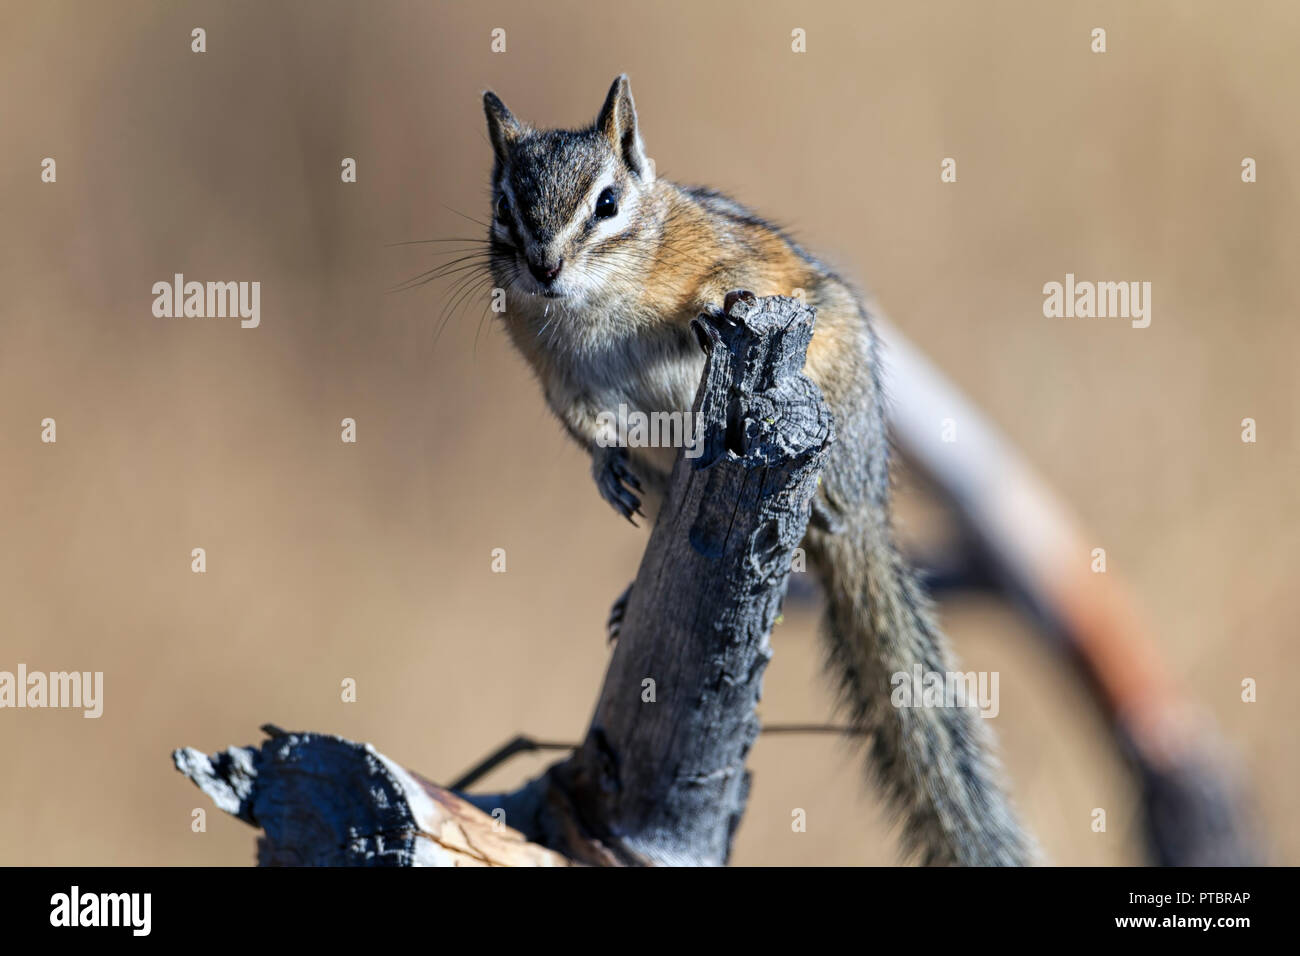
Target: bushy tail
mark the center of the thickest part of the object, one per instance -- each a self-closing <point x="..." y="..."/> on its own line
<point x="936" y="763"/>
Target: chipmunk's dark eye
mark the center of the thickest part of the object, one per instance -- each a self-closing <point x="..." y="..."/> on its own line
<point x="607" y="203"/>
<point x="503" y="207"/>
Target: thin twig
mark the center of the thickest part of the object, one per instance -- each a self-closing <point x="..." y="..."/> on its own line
<point x="523" y="744"/>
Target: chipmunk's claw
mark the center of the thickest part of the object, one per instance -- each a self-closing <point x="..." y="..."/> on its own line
<point x="617" y="483"/>
<point x="617" y="612"/>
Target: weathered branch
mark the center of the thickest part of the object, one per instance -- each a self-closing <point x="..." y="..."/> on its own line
<point x="660" y="777"/>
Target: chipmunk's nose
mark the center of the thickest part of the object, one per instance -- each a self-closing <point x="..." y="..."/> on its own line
<point x="544" y="272"/>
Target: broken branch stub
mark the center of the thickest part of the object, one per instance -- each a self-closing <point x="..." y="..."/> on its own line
<point x="321" y="800"/>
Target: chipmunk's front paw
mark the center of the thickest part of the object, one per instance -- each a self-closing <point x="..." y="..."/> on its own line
<point x="616" y="481"/>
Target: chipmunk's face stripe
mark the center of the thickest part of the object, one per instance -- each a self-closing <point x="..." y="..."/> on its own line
<point x="596" y="229"/>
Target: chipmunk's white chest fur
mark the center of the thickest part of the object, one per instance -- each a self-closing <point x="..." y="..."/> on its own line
<point x="594" y="357"/>
<point x="602" y="350"/>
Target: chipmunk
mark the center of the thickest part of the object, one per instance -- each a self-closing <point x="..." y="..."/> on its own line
<point x="604" y="265"/>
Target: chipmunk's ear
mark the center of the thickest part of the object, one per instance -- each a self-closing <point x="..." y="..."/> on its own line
<point x="503" y="128"/>
<point x="617" y="121"/>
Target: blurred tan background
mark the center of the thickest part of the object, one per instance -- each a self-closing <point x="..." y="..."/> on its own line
<point x="372" y="561"/>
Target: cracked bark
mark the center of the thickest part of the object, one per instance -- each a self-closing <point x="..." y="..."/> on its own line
<point x="660" y="777"/>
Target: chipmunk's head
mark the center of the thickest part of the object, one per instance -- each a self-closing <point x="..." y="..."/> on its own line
<point x="566" y="203"/>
